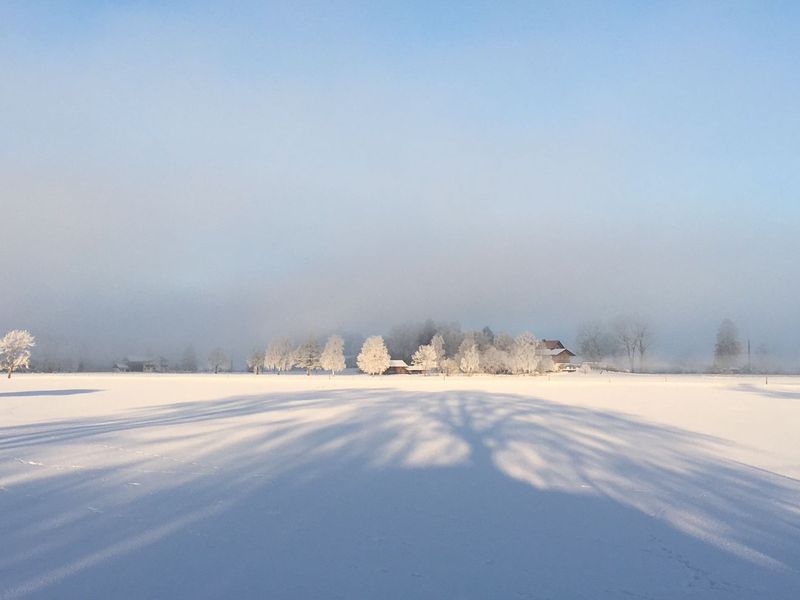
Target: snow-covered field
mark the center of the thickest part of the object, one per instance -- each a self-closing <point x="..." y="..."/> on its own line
<point x="573" y="486"/>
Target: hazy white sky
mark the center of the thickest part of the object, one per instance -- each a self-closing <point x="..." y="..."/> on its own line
<point x="183" y="172"/>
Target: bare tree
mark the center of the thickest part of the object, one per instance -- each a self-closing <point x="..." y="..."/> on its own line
<point x="643" y="338"/>
<point x="595" y="342"/>
<point x="626" y="336"/>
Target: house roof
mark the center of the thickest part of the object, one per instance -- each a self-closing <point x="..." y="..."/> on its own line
<point x="142" y="359"/>
<point x="398" y="363"/>
<point x="555" y="352"/>
<point x="552" y="344"/>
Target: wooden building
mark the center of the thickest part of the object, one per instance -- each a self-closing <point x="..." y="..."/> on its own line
<point x="557" y="351"/>
<point x="397" y="367"/>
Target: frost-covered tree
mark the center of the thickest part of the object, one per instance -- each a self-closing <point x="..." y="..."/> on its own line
<point x="437" y="343"/>
<point x="467" y="342"/>
<point x="494" y="361"/>
<point x="307" y="356"/>
<point x="217" y="361"/>
<point x="426" y="358"/>
<point x="15" y="350"/>
<point x="728" y="348"/>
<point x="452" y="336"/>
<point x="450" y="366"/>
<point x="279" y="356"/>
<point x="189" y="360"/>
<point x="255" y="362"/>
<point x="374" y="357"/>
<point x="503" y="342"/>
<point x="524" y="356"/>
<point x="332" y="358"/>
<point x="545" y="364"/>
<point x="470" y="361"/>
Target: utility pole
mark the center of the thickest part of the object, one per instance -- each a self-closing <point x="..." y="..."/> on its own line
<point x="749" y="363"/>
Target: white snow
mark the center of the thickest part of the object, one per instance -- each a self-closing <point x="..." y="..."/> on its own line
<point x="243" y="486"/>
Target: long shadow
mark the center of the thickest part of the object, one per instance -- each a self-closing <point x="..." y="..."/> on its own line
<point x="385" y="494"/>
<point x="768" y="392"/>
<point x="47" y="393"/>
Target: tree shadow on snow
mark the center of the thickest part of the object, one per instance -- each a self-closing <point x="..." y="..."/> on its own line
<point x="381" y="493"/>
<point x="31" y="393"/>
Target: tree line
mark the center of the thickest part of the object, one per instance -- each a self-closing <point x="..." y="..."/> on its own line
<point x="476" y="352"/>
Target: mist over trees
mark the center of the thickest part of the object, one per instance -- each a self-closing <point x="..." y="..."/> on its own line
<point x="626" y="337"/>
<point x="624" y="343"/>
<point x="255" y="362"/>
<point x="189" y="360"/>
<point x="217" y="361"/>
<point x="728" y="349"/>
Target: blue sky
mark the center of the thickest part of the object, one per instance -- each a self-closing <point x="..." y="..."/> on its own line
<point x="186" y="171"/>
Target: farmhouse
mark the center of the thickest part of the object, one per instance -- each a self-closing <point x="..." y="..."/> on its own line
<point x="556" y="350"/>
<point x="397" y="367"/>
<point x="138" y="364"/>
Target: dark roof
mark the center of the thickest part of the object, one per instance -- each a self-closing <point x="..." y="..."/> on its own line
<point x="552" y="344"/>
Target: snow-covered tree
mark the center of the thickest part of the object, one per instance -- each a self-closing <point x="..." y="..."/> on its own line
<point x="374" y="357"/>
<point x="279" y="356"/>
<point x="545" y="364"/>
<point x="217" y="361"/>
<point x="524" y="356"/>
<point x="494" y="361"/>
<point x="255" y="362"/>
<point x="332" y="358"/>
<point x="503" y="342"/>
<point x="426" y="358"/>
<point x="470" y="360"/>
<point x="437" y="343"/>
<point x="452" y="336"/>
<point x="450" y="366"/>
<point x="15" y="350"/>
<point x="307" y="356"/>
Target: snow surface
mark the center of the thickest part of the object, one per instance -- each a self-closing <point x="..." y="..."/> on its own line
<point x="243" y="486"/>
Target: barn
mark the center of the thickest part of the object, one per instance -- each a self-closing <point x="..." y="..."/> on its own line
<point x="397" y="367"/>
<point x="557" y="351"/>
